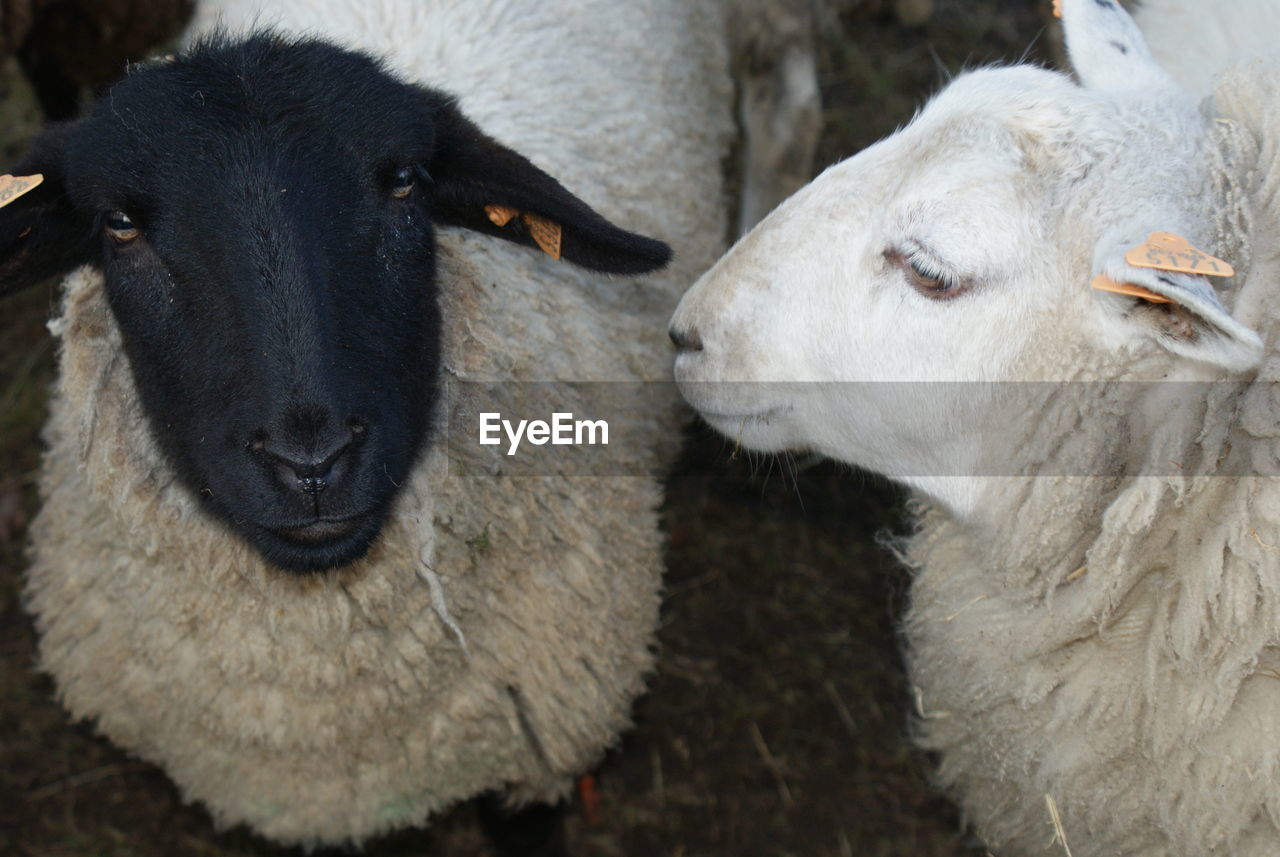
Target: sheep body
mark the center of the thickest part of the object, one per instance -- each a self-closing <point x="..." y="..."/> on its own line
<point x="496" y="634"/>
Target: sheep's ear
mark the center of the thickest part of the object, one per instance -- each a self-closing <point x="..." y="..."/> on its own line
<point x="482" y="185"/>
<point x="41" y="234"/>
<point x="1178" y="309"/>
<point x="1107" y="49"/>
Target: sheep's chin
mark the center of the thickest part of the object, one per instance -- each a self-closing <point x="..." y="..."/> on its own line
<point x="760" y="431"/>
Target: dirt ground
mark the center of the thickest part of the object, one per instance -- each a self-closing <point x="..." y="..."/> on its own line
<point x="777" y="721"/>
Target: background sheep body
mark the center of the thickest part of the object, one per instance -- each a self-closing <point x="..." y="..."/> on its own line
<point x="332" y="708"/>
<point x="1194" y="48"/>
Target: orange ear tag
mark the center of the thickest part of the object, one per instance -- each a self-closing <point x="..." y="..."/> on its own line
<point x="1057" y="8"/>
<point x="546" y="233"/>
<point x="1104" y="283"/>
<point x="1165" y="251"/>
<point x="501" y="215"/>
<point x="12" y="187"/>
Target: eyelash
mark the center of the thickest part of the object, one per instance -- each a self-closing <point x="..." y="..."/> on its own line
<point x="923" y="276"/>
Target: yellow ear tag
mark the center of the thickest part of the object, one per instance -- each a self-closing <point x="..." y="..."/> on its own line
<point x="1165" y="251"/>
<point x="1105" y="284"/>
<point x="1057" y="8"/>
<point x="501" y="215"/>
<point x="546" y="233"/>
<point x="12" y="187"/>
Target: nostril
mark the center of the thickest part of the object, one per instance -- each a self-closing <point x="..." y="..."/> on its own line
<point x="313" y="485"/>
<point x="309" y="477"/>
<point x="685" y="340"/>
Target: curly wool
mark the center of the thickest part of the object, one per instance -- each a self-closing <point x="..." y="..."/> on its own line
<point x="497" y="633"/>
<point x="1116" y="648"/>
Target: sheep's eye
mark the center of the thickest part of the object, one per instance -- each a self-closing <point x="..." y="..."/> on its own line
<point x="118" y="225"/>
<point x="923" y="277"/>
<point x="402" y="182"/>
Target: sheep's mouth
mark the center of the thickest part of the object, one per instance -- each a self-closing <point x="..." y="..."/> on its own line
<point x="320" y="531"/>
<point x="323" y="544"/>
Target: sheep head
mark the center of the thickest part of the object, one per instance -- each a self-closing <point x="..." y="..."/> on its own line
<point x="263" y="213"/>
<point x="961" y="250"/>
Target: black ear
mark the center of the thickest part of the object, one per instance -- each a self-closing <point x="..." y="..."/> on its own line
<point x="41" y="234"/>
<point x="483" y="185"/>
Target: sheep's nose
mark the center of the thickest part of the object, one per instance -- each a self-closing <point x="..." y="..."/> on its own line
<point x="306" y="472"/>
<point x="685" y="340"/>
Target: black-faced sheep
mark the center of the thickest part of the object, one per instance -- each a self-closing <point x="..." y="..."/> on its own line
<point x="274" y="290"/>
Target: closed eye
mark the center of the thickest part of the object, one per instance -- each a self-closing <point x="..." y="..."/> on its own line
<point x="926" y="276"/>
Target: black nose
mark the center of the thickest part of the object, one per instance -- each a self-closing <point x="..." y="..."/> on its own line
<point x="685" y="340"/>
<point x="309" y="472"/>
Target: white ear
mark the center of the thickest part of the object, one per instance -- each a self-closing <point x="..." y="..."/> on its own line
<point x="1108" y="50"/>
<point x="1193" y="324"/>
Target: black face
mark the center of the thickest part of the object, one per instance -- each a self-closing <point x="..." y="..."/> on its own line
<point x="263" y="213"/>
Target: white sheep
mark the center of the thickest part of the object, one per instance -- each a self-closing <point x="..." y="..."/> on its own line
<point x="1094" y="633"/>
<point x="496" y="633"/>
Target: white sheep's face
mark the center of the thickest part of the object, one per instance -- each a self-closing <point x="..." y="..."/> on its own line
<point x="961" y="251"/>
